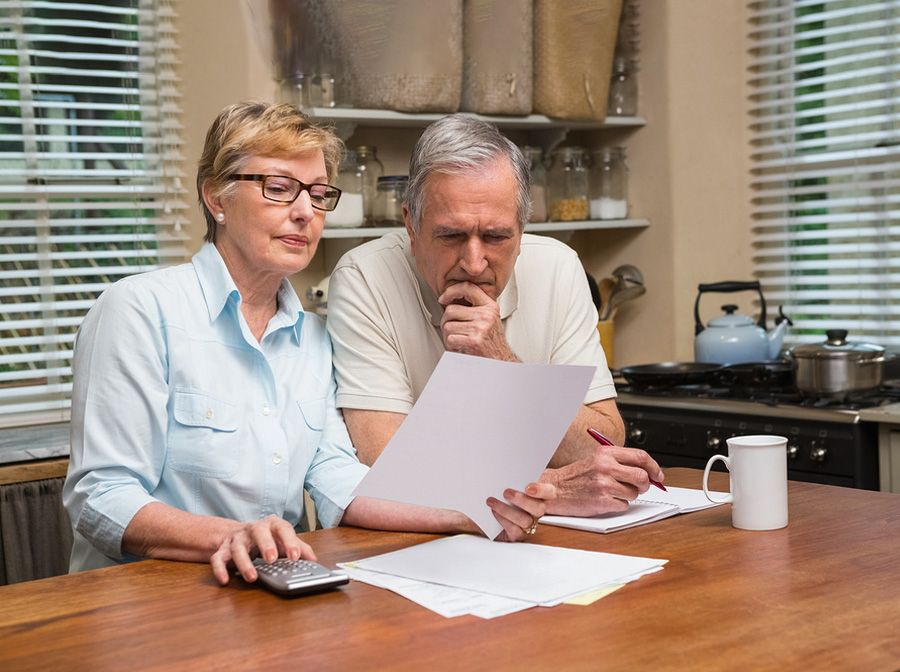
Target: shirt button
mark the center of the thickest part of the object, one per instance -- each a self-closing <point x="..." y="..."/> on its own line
<point x="276" y="458"/>
<point x="208" y="413"/>
<point x="266" y="410"/>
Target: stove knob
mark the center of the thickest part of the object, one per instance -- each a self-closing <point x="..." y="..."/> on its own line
<point x="636" y="436"/>
<point x="713" y="442"/>
<point x="818" y="452"/>
<point x="792" y="451"/>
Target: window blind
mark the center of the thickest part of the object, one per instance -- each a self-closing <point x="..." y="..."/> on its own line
<point x="91" y="181"/>
<point x="825" y="77"/>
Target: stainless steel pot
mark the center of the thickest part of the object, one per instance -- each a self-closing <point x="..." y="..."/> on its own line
<point x="837" y="368"/>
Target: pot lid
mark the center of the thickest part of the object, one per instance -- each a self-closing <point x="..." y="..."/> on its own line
<point x="730" y="319"/>
<point x="836" y="346"/>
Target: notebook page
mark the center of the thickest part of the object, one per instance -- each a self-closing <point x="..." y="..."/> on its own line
<point x="638" y="513"/>
<point x="653" y="505"/>
<point x="685" y="499"/>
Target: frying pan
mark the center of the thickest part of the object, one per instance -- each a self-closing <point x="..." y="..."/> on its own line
<point x="667" y="374"/>
<point x="757" y="375"/>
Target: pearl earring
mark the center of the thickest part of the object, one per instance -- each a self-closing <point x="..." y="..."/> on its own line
<point x="220" y="217"/>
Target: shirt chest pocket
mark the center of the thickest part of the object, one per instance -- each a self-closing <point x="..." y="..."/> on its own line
<point x="203" y="435"/>
<point x="313" y="413"/>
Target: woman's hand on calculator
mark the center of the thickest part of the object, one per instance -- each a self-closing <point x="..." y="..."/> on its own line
<point x="269" y="539"/>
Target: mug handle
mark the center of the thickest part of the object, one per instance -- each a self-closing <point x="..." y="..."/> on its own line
<point x="728" y="497"/>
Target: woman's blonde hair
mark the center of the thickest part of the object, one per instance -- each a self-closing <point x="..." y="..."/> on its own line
<point x="247" y="129"/>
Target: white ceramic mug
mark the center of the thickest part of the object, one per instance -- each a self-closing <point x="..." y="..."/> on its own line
<point x="758" y="466"/>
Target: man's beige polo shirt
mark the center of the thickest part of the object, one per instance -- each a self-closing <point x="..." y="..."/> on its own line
<point x="385" y="323"/>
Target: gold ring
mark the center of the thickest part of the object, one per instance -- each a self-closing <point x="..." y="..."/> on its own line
<point x="533" y="528"/>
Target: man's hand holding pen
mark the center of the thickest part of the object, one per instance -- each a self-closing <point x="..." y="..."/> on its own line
<point x="603" y="483"/>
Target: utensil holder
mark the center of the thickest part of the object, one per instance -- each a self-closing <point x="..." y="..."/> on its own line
<point x="607" y="331"/>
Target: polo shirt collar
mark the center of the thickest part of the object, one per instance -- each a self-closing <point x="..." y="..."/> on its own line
<point x="508" y="300"/>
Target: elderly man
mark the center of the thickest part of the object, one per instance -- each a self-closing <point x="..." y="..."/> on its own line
<point x="463" y="277"/>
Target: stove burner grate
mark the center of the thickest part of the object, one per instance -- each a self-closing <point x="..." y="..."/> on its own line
<point x="889" y="393"/>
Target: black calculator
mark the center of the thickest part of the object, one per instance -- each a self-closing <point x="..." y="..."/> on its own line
<point x="297" y="577"/>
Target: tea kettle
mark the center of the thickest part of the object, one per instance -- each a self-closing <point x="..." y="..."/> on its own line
<point x="733" y="338"/>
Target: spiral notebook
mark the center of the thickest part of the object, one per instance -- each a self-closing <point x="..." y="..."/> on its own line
<point x="653" y="505"/>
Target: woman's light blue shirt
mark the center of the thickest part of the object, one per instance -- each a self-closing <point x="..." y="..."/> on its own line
<point x="175" y="401"/>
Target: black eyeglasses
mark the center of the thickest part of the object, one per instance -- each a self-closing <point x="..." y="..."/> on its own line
<point x="284" y="189"/>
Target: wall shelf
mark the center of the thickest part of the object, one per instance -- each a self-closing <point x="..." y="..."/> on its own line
<point x="538" y="227"/>
<point x="384" y="118"/>
<point x="589" y="225"/>
<point x="550" y="131"/>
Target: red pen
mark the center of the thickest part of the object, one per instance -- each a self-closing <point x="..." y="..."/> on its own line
<point x="603" y="441"/>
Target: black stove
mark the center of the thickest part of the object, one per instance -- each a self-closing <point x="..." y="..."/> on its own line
<point x="684" y="425"/>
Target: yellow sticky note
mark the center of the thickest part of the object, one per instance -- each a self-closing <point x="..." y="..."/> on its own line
<point x="591" y="597"/>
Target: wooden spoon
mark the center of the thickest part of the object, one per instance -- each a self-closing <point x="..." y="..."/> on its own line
<point x="620" y="296"/>
<point x="606" y="287"/>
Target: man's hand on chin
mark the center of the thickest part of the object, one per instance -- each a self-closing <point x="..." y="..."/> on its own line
<point x="471" y="323"/>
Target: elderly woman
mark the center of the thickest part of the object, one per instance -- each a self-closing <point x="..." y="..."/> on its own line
<point x="203" y="401"/>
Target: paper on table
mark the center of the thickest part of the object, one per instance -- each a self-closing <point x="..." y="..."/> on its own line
<point x="480" y="426"/>
<point x="540" y="574"/>
<point x="451" y="602"/>
<point x="447" y="601"/>
<point x="653" y="505"/>
<point x="593" y="596"/>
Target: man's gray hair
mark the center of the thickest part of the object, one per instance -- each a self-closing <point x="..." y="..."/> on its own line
<point x="457" y="144"/>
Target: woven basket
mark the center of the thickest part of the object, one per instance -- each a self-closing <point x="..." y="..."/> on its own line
<point x="573" y="51"/>
<point x="403" y="55"/>
<point x="497" y="50"/>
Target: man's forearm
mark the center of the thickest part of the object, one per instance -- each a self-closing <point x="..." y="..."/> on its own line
<point x="370" y="431"/>
<point x="576" y="444"/>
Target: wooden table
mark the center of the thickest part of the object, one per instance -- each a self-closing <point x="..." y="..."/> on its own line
<point x="824" y="593"/>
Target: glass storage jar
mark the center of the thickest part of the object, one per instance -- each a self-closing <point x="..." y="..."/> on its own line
<point x="623" y="89"/>
<point x="567" y="182"/>
<point x="609" y="184"/>
<point x="535" y="158"/>
<point x="349" y="212"/>
<point x="368" y="165"/>
<point x="388" y="209"/>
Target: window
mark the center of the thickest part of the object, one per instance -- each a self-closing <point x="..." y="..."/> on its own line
<point x="826" y="164"/>
<point x="90" y="178"/>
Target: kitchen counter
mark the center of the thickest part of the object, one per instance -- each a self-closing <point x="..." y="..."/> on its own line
<point x="39" y="442"/>
<point x="33" y="453"/>
<point x="889" y="414"/>
<point x="888" y="419"/>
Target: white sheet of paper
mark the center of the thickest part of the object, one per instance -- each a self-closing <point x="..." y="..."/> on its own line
<point x="480" y="426"/>
<point x="541" y="574"/>
<point x="653" y="505"/>
<point x="444" y="600"/>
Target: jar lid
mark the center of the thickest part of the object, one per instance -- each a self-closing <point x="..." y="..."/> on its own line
<point x="569" y="151"/>
<point x="836" y="346"/>
<point x="620" y="65"/>
<point x="532" y="154"/>
<point x="609" y="153"/>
